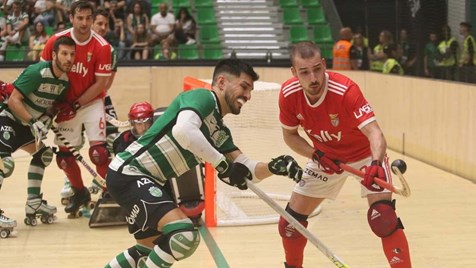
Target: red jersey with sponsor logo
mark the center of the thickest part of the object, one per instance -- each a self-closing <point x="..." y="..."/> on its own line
<point x="333" y="123"/>
<point x="92" y="58"/>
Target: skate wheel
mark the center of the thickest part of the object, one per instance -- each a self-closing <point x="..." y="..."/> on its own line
<point x="27" y="221"/>
<point x="79" y="213"/>
<point x="91" y="205"/>
<point x="64" y="201"/>
<point x="33" y="222"/>
<point x="50" y="219"/>
<point x="4" y="233"/>
<point x="43" y="219"/>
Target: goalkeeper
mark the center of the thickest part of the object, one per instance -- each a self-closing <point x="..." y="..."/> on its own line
<point x="189" y="132"/>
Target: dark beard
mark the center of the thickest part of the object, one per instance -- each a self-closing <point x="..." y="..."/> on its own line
<point x="233" y="109"/>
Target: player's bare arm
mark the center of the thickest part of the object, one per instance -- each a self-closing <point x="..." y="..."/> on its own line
<point x="378" y="144"/>
<point x="297" y="143"/>
<point x="15" y="103"/>
<point x="94" y="90"/>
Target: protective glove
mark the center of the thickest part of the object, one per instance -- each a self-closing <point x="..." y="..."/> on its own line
<point x="286" y="165"/>
<point x="234" y="174"/>
<point x="65" y="111"/>
<point x="375" y="170"/>
<point x="326" y="163"/>
<point x="38" y="129"/>
<point x="6" y="90"/>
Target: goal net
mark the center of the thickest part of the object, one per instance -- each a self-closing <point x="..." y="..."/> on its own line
<point x="257" y="132"/>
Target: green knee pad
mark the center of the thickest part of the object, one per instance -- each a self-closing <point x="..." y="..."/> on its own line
<point x="180" y="239"/>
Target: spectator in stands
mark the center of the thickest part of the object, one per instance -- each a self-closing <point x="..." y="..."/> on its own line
<point x="17" y="27"/>
<point x="162" y="26"/>
<point x="406" y="53"/>
<point x="37" y="41"/>
<point x="140" y="43"/>
<point x="45" y="12"/>
<point x="344" y="53"/>
<point x="116" y="10"/>
<point x="391" y="65"/>
<point x="63" y="8"/>
<point x="3" y="33"/>
<point x="135" y="17"/>
<point x="467" y="61"/>
<point x="165" y="53"/>
<point x="60" y="26"/>
<point x="117" y="38"/>
<point x="146" y="7"/>
<point x="430" y="52"/>
<point x="447" y="57"/>
<point x="362" y="52"/>
<point x="377" y="57"/>
<point x="185" y="27"/>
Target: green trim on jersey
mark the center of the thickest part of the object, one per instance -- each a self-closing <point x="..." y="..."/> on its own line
<point x="158" y="155"/>
<point x="113" y="59"/>
<point x="40" y="88"/>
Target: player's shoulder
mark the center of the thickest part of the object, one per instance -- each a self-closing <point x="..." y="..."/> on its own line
<point x="339" y="83"/>
<point x="99" y="40"/>
<point x="290" y="86"/>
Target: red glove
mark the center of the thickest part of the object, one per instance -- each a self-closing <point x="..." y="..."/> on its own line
<point x="375" y="170"/>
<point x="326" y="164"/>
<point x="6" y="90"/>
<point x="65" y="111"/>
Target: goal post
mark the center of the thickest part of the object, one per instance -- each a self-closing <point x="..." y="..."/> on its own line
<point x="257" y="132"/>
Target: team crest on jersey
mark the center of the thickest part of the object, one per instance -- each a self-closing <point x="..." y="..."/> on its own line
<point x="6" y="135"/>
<point x="90" y="55"/>
<point x="155" y="191"/>
<point x="334" y="119"/>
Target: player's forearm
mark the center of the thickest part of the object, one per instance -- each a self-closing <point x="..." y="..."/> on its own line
<point x="17" y="107"/>
<point x="297" y="143"/>
<point x="93" y="91"/>
<point x="378" y="145"/>
<point x="110" y="80"/>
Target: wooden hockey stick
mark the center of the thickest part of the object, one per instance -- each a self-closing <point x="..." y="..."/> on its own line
<point x="98" y="180"/>
<point x="305" y="232"/>
<point x="404" y="190"/>
<point x="120" y="124"/>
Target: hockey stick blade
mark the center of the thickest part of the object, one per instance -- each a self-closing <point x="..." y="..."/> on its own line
<point x="98" y="180"/>
<point x="305" y="232"/>
<point x="403" y="191"/>
<point x="113" y="121"/>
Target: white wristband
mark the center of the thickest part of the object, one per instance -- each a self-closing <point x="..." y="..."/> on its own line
<point x="250" y="164"/>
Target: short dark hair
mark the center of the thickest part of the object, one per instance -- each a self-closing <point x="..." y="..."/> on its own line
<point x="304" y="49"/>
<point x="101" y="12"/>
<point x="80" y="5"/>
<point x="234" y="67"/>
<point x="466" y="24"/>
<point x="63" y="40"/>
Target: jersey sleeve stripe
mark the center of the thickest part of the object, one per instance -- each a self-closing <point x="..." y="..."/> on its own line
<point x="337" y="85"/>
<point x="366" y="122"/>
<point x="289" y="127"/>
<point x="102" y="74"/>
<point x="291" y="86"/>
<point x="338" y="92"/>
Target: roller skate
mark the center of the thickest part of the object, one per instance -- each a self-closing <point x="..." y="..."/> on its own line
<point x="39" y="208"/>
<point x="80" y="199"/>
<point x="6" y="225"/>
<point x="66" y="192"/>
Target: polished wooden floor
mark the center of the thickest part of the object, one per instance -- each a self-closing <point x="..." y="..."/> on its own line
<point x="440" y="221"/>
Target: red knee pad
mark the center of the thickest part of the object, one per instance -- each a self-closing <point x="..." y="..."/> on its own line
<point x="192" y="208"/>
<point x="382" y="218"/>
<point x="65" y="160"/>
<point x="99" y="154"/>
<point x="288" y="231"/>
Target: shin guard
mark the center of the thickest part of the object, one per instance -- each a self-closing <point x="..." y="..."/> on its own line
<point x="293" y="241"/>
<point x="66" y="161"/>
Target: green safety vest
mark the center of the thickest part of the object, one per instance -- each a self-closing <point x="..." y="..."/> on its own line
<point x="465" y="53"/>
<point x="442" y="48"/>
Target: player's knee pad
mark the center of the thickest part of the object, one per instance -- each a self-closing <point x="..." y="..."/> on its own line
<point x="99" y="154"/>
<point x="8" y="166"/>
<point x="65" y="160"/>
<point x="180" y="239"/>
<point x="43" y="157"/>
<point x="287" y="230"/>
<point x="382" y="218"/>
<point x="192" y="209"/>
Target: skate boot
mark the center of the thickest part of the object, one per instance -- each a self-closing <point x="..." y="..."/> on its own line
<point x="39" y="208"/>
<point x="80" y="199"/>
<point x="6" y="225"/>
<point x="66" y="192"/>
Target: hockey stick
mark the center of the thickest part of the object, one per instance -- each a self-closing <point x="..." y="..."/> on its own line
<point x="98" y="180"/>
<point x="305" y="232"/>
<point x="120" y="124"/>
<point x="404" y="190"/>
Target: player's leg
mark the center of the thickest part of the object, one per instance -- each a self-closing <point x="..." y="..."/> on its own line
<point x="95" y="128"/>
<point x="385" y="224"/>
<point x="314" y="187"/>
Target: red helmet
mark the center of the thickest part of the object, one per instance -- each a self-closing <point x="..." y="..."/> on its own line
<point x="141" y="110"/>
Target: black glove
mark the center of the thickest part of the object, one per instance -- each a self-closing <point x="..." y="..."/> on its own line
<point x="235" y="175"/>
<point x="286" y="165"/>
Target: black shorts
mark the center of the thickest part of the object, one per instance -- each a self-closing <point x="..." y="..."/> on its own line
<point x="13" y="135"/>
<point x="144" y="201"/>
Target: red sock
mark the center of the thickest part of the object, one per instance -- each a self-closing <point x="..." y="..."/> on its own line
<point x="396" y="249"/>
<point x="70" y="167"/>
<point x="102" y="169"/>
<point x="293" y="243"/>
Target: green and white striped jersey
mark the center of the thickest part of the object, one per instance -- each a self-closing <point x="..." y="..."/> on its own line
<point x="158" y="155"/>
<point x="40" y="87"/>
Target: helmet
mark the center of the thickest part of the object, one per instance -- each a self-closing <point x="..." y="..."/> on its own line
<point x="141" y="110"/>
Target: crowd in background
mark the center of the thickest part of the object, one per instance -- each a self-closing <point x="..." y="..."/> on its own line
<point x="134" y="31"/>
<point x="443" y="56"/>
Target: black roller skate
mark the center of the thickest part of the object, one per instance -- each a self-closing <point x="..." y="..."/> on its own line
<point x="39" y="208"/>
<point x="80" y="199"/>
<point x="6" y="225"/>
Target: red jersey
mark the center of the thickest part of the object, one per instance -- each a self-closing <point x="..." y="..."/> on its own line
<point x="333" y="123"/>
<point x="92" y="57"/>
